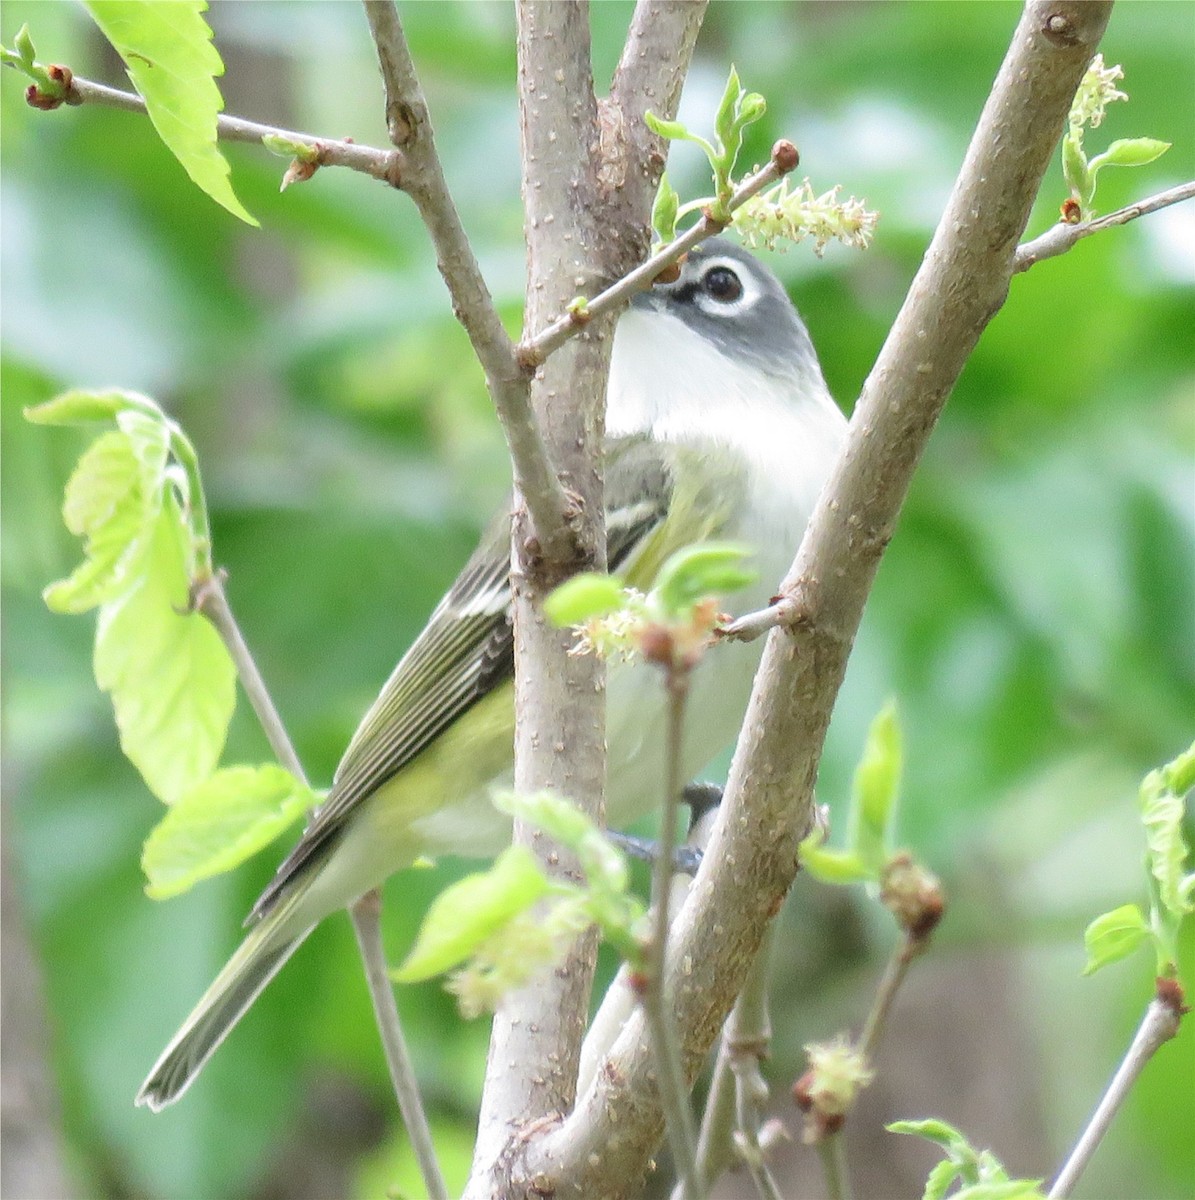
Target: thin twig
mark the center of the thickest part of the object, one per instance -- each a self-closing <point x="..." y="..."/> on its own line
<point x="1062" y="236"/>
<point x="1159" y="1025"/>
<point x="674" y="1095"/>
<point x="832" y="1151"/>
<point x="210" y="599"/>
<point x="535" y="349"/>
<point x="423" y="180"/>
<point x="782" y="611"/>
<point x="894" y="973"/>
<point x="367" y="925"/>
<point x="333" y="152"/>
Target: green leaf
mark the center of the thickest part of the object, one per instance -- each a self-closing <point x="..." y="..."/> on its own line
<point x="168" y="51"/>
<point x="1008" y="1189"/>
<point x="112" y="500"/>
<point x="286" y="147"/>
<point x="1129" y="152"/>
<point x="220" y="823"/>
<point x="724" y="121"/>
<point x="832" y="866"/>
<point x="1075" y="170"/>
<point x="940" y="1179"/>
<point x="672" y="130"/>
<point x="875" y="789"/>
<point x="1179" y="774"/>
<point x="584" y="597"/>
<point x="82" y="407"/>
<point x="172" y="682"/>
<point x="700" y="571"/>
<point x="1166" y="850"/>
<point x="23" y="44"/>
<point x="664" y="210"/>
<point x="935" y="1130"/>
<point x="464" y="916"/>
<point x="1113" y="936"/>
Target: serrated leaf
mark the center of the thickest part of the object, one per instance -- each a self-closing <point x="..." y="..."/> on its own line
<point x="112" y="500"/>
<point x="874" y="791"/>
<point x="584" y="597"/>
<point x="82" y="407"/>
<point x="464" y="916"/>
<point x="1129" y="152"/>
<point x="1179" y="773"/>
<point x="168" y="52"/>
<point x="171" y="680"/>
<point x="220" y="823"/>
<point x="1114" y="935"/>
<point x="1166" y="850"/>
<point x="700" y="571"/>
<point x="939" y="1180"/>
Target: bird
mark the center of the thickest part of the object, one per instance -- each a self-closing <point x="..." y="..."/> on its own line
<point x="719" y="425"/>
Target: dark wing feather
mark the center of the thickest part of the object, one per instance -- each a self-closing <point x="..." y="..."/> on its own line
<point x="465" y="650"/>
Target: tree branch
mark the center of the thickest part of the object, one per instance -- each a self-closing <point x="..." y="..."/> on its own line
<point x="768" y="807"/>
<point x="1062" y="236"/>
<point x="422" y="178"/>
<point x="333" y="152"/>
<point x="210" y="599"/>
<point x="1160" y="1023"/>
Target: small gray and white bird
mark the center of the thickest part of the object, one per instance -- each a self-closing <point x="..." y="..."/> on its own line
<point x="719" y="425"/>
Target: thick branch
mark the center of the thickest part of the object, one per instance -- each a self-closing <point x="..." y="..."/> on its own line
<point x="768" y="807"/>
<point x="1062" y="236"/>
<point x="422" y="178"/>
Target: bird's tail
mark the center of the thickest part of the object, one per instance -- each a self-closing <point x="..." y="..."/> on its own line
<point x="256" y="961"/>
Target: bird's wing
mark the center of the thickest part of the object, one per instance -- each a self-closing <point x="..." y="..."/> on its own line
<point x="465" y="651"/>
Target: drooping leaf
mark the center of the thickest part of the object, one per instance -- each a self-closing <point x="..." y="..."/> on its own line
<point x="1166" y="849"/>
<point x="172" y="682"/>
<point x="664" y="210"/>
<point x="464" y="916"/>
<point x="833" y="866"/>
<point x="1129" y="152"/>
<point x="1114" y="935"/>
<point x="940" y="1179"/>
<point x="933" y="1129"/>
<point x="217" y="825"/>
<point x="112" y="500"/>
<point x="168" y="52"/>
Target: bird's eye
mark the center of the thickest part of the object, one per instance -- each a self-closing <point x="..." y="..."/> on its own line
<point x="723" y="284"/>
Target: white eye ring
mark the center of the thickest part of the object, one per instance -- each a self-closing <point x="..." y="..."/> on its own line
<point x="749" y="289"/>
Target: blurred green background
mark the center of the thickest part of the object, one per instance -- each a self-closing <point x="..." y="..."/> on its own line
<point x="1034" y="615"/>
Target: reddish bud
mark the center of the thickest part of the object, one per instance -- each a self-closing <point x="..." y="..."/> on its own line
<point x="36" y="98"/>
<point x="785" y="155"/>
<point x="59" y="74"/>
<point x="803" y="1093"/>
<point x="1170" y="993"/>
<point x="1071" y="212"/>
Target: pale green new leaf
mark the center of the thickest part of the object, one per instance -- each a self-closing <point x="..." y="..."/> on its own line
<point x="699" y="571"/>
<point x="1129" y="152"/>
<point x="1005" y="1189"/>
<point x="467" y="914"/>
<point x="935" y="1130"/>
<point x="874" y="791"/>
<point x="168" y="51"/>
<point x="584" y="597"/>
<point x="112" y="500"/>
<point x="939" y="1180"/>
<point x="1166" y="850"/>
<point x="1114" y="935"/>
<point x="220" y="823"/>
<point x="82" y="407"/>
<point x="832" y="866"/>
<point x="172" y="682"/>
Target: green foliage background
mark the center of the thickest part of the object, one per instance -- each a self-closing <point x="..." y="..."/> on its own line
<point x="1034" y="615"/>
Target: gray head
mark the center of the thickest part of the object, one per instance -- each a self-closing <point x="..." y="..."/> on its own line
<point x="728" y="297"/>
